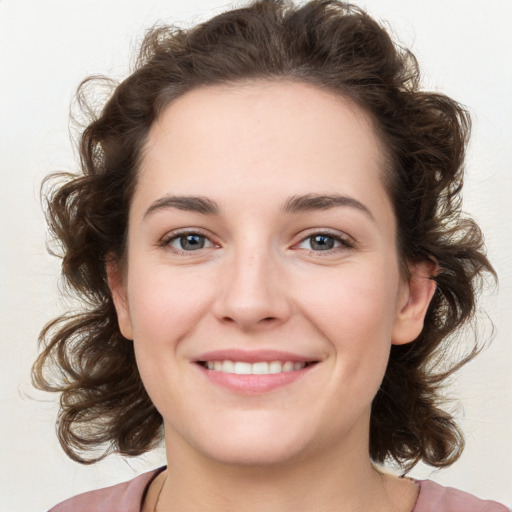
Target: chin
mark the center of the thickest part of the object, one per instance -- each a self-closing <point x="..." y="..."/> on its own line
<point x="256" y="441"/>
<point x="250" y="453"/>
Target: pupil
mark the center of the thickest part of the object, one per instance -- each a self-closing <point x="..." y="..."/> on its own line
<point x="322" y="243"/>
<point x="192" y="242"/>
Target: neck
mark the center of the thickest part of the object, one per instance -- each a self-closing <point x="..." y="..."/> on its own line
<point x="344" y="481"/>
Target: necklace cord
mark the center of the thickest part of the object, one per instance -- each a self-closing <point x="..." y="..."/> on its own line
<point x="155" y="508"/>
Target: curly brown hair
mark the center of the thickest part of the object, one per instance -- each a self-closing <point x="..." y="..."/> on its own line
<point x="335" y="46"/>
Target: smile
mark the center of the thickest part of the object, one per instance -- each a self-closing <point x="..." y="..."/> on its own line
<point x="257" y="368"/>
<point x="254" y="372"/>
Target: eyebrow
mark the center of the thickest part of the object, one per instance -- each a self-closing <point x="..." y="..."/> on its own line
<point x="187" y="203"/>
<point x="309" y="202"/>
<point x="295" y="204"/>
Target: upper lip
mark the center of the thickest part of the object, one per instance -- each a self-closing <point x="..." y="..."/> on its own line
<point x="255" y="356"/>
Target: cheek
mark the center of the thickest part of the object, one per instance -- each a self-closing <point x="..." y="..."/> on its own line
<point x="165" y="308"/>
<point x="354" y="299"/>
<point x="359" y="320"/>
<point x="164" y="303"/>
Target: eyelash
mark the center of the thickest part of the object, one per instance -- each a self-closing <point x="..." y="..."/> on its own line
<point x="167" y="240"/>
<point x="345" y="243"/>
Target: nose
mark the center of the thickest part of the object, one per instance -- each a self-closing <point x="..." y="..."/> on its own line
<point x="253" y="292"/>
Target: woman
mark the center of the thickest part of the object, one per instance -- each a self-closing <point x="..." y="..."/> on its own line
<point x="268" y="235"/>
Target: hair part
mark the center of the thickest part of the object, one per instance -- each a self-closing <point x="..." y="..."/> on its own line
<point x="331" y="45"/>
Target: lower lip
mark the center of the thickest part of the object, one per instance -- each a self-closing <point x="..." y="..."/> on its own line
<point x="254" y="384"/>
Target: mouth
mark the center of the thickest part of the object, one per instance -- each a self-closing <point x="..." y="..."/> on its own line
<point x="256" y="368"/>
<point x="254" y="372"/>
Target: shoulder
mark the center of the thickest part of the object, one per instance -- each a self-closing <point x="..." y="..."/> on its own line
<point x="437" y="498"/>
<point x="124" y="497"/>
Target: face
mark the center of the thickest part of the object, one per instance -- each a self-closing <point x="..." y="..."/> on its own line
<point x="262" y="288"/>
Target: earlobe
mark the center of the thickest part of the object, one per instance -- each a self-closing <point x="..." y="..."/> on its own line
<point x="418" y="293"/>
<point x="116" y="283"/>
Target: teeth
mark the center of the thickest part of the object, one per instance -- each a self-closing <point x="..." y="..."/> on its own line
<point x="242" y="368"/>
<point x="288" y="366"/>
<point x="275" y="367"/>
<point x="260" y="368"/>
<point x="228" y="367"/>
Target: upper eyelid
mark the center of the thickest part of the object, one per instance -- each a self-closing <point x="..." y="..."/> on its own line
<point x="337" y="235"/>
<point x="342" y="244"/>
<point x="346" y="244"/>
<point x="177" y="233"/>
<point x="166" y="242"/>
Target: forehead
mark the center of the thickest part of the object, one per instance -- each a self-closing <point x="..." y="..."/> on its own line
<point x="259" y="111"/>
<point x="271" y="137"/>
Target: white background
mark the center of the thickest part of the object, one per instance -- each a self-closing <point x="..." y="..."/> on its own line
<point x="48" y="47"/>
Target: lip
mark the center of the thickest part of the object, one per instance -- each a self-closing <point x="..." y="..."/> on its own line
<point x="254" y="384"/>
<point x="255" y="356"/>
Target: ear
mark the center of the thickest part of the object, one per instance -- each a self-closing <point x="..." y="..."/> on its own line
<point x="417" y="292"/>
<point x="117" y="285"/>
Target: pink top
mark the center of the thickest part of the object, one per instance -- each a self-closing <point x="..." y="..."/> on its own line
<point x="129" y="496"/>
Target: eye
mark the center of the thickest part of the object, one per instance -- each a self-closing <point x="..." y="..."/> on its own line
<point x="324" y="242"/>
<point x="321" y="242"/>
<point x="187" y="242"/>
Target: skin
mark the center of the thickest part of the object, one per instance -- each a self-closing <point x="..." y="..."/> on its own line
<point x="259" y="282"/>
